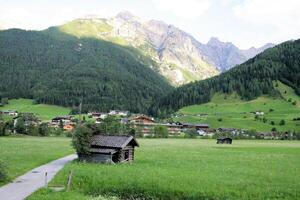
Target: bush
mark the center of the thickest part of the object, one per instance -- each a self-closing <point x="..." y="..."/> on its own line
<point x="220" y="119"/>
<point x="271" y="110"/>
<point x="161" y="132"/>
<point x="3" y="172"/>
<point x="274" y="129"/>
<point x="191" y="133"/>
<point x="282" y="122"/>
<point x="272" y="123"/>
<point x="81" y="140"/>
<point x="43" y="129"/>
<point x="294" y="103"/>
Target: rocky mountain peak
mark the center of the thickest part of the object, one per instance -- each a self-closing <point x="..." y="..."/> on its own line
<point x="126" y="16"/>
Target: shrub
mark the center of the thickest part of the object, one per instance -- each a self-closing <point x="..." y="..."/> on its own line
<point x="161" y="131"/>
<point x="272" y="123"/>
<point x="294" y="103"/>
<point x="274" y="129"/>
<point x="220" y="119"/>
<point x="290" y="100"/>
<point x="271" y="110"/>
<point x="191" y="133"/>
<point x="81" y="140"/>
<point x="282" y="122"/>
<point x="3" y="172"/>
<point x="43" y="129"/>
<point x="265" y="120"/>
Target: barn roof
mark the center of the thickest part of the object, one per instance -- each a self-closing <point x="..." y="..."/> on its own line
<point x="112" y="141"/>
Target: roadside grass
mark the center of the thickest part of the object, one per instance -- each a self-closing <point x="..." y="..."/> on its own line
<point x="190" y="169"/>
<point x="42" y="111"/>
<point x="232" y="112"/>
<point x="22" y="153"/>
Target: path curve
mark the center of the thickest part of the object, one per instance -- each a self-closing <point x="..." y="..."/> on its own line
<point x="25" y="185"/>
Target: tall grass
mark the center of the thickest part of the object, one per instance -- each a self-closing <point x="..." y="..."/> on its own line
<point x="192" y="169"/>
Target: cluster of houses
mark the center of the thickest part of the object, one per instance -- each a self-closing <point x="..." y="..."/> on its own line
<point x="12" y="113"/>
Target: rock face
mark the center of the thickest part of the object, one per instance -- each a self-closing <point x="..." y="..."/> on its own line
<point x="180" y="57"/>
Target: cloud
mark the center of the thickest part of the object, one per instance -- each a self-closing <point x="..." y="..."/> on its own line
<point x="282" y="16"/>
<point x="187" y="9"/>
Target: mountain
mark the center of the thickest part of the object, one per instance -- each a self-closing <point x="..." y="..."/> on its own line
<point x="57" y="68"/>
<point x="180" y="57"/>
<point x="225" y="55"/>
<point x="249" y="80"/>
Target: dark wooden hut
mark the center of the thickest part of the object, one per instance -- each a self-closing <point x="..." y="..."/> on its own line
<point x="112" y="149"/>
<point x="224" y="140"/>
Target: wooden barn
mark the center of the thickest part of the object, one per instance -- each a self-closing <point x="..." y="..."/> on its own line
<point x="224" y="140"/>
<point x="112" y="149"/>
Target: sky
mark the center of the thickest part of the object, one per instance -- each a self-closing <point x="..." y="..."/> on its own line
<point x="245" y="23"/>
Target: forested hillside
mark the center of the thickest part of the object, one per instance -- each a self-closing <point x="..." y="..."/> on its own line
<point x="56" y="68"/>
<point x="250" y="79"/>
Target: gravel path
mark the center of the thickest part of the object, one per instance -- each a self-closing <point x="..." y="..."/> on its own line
<point x="25" y="185"/>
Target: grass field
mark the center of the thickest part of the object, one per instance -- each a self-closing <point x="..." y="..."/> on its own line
<point x="190" y="169"/>
<point x="231" y="112"/>
<point x="42" y="111"/>
<point x="21" y="154"/>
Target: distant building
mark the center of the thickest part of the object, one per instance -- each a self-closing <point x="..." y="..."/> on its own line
<point x="120" y="113"/>
<point x="111" y="149"/>
<point x="142" y="119"/>
<point x="64" y="120"/>
<point x="96" y="115"/>
<point x="69" y="127"/>
<point x="99" y="120"/>
<point x="196" y="126"/>
<point x="225" y="140"/>
<point x="13" y="113"/>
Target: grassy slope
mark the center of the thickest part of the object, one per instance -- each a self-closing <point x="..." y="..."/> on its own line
<point x="42" y="111"/>
<point x="191" y="169"/>
<point x="21" y="154"/>
<point x="236" y="113"/>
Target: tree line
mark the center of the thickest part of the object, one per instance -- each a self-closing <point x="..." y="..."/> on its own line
<point x="55" y="68"/>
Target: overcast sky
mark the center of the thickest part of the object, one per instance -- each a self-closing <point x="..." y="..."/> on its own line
<point x="245" y="23"/>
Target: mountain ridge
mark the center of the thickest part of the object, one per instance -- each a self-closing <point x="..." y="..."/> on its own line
<point x="181" y="58"/>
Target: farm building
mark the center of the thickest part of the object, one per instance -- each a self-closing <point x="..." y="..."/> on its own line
<point x="10" y="112"/>
<point x="64" y="119"/>
<point x="225" y="140"/>
<point x="111" y="149"/>
<point x="196" y="126"/>
<point x="142" y="119"/>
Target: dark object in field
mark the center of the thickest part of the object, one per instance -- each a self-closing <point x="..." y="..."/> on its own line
<point x="226" y="140"/>
<point x="111" y="149"/>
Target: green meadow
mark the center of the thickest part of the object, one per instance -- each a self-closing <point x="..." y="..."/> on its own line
<point x="42" y="111"/>
<point x="22" y="153"/>
<point x="232" y="112"/>
<point x="189" y="169"/>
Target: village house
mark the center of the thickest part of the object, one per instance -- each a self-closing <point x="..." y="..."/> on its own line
<point x="99" y="120"/>
<point x="96" y="115"/>
<point x="64" y="120"/>
<point x="195" y="126"/>
<point x="143" y="123"/>
<point x="13" y="113"/>
<point x="142" y="119"/>
<point x="111" y="149"/>
<point x="120" y="113"/>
